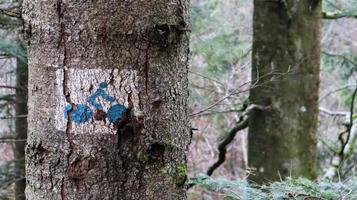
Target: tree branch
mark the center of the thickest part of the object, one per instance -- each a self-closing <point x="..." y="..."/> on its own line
<point x="333" y="113"/>
<point x="222" y="148"/>
<point x="10" y="12"/>
<point x="11" y="140"/>
<point x="350" y="126"/>
<point x="14" y="117"/>
<point x="241" y="124"/>
<point x="338" y="15"/>
<point x="346" y="145"/>
<point x="8" y="87"/>
<point x="350" y="60"/>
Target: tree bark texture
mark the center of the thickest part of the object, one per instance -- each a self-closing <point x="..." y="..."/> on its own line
<point x="286" y="59"/>
<point x="108" y="97"/>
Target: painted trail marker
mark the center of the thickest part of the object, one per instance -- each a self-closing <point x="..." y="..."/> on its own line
<point x="92" y="91"/>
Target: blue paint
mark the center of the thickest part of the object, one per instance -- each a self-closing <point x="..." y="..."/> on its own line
<point x="100" y="93"/>
<point x="115" y="112"/>
<point x="80" y="114"/>
<point x="103" y="85"/>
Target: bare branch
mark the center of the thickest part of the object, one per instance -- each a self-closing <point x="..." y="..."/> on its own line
<point x="14" y="117"/>
<point x="10" y="13"/>
<point x="8" y="87"/>
<point x="237" y="90"/>
<point x="333" y="113"/>
<point x="338" y="15"/>
<point x="340" y="56"/>
<point x="11" y="140"/>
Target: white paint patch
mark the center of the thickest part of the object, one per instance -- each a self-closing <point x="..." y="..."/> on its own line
<point x="303" y="109"/>
<point x="84" y="82"/>
<point x="261" y="169"/>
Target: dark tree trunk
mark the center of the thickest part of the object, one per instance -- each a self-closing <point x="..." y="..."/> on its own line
<point x="286" y="59"/>
<point x="21" y="125"/>
<point x="88" y="59"/>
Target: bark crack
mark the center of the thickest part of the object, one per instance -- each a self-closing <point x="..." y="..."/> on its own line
<point x="66" y="91"/>
<point x="147" y="67"/>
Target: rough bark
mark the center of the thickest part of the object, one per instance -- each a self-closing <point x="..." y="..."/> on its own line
<point x="139" y="49"/>
<point x="286" y="59"/>
<point x="21" y="124"/>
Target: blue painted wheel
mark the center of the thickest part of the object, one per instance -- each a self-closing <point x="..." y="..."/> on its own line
<point x="115" y="112"/>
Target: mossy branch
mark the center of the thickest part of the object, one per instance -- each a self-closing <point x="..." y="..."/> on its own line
<point x="241" y="124"/>
<point x="222" y="148"/>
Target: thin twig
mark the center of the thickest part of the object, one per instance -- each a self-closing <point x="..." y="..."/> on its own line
<point x="237" y="91"/>
<point x="333" y="113"/>
<point x="14" y="117"/>
<point x="205" y="77"/>
<point x="8" y="87"/>
<point x="216" y="112"/>
<point x="11" y="140"/>
<point x="340" y="56"/>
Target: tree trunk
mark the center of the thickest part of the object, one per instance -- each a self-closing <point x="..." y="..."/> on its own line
<point x="286" y="59"/>
<point x="108" y="99"/>
<point x="21" y="124"/>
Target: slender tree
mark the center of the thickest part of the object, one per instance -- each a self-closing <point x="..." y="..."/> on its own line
<point x="21" y="112"/>
<point x="21" y="121"/>
<point x="286" y="59"/>
<point x="10" y="22"/>
<point x="107" y="99"/>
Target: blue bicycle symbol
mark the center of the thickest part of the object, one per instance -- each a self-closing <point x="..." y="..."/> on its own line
<point x="81" y="113"/>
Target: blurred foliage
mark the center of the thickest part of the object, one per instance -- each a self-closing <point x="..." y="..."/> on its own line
<point x="8" y="175"/>
<point x="218" y="43"/>
<point x="339" y="54"/>
<point x="345" y="61"/>
<point x="344" y="6"/>
<point x="216" y="38"/>
<point x="13" y="49"/>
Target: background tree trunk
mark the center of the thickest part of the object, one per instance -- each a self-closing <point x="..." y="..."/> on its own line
<point x="286" y="40"/>
<point x="139" y="49"/>
<point x="21" y="123"/>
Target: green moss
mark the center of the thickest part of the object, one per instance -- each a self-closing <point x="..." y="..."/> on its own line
<point x="180" y="174"/>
